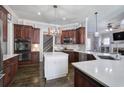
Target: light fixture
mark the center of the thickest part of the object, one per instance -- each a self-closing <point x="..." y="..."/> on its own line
<point x="96" y="32"/>
<point x="38" y="13"/>
<point x="55" y="30"/>
<point x="109" y="27"/>
<point x="64" y="18"/>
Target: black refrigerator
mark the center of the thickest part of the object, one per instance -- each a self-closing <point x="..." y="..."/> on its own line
<point x="1" y="54"/>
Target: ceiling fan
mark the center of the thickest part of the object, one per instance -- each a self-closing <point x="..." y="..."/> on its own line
<point x="110" y="27"/>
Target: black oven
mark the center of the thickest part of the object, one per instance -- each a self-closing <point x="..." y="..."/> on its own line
<point x="24" y="56"/>
<point x="22" y="45"/>
<point x="23" y="48"/>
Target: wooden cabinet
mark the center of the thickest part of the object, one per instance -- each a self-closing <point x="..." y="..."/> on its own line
<point x="73" y="56"/>
<point x="81" y="35"/>
<point x="22" y="32"/>
<point x="34" y="57"/>
<point x="77" y="35"/>
<point x="82" y="80"/>
<point x="10" y="67"/>
<point x="3" y="17"/>
<point x="64" y="35"/>
<point x="35" y="36"/>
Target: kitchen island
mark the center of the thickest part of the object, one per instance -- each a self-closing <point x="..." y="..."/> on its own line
<point x="99" y="72"/>
<point x="55" y="65"/>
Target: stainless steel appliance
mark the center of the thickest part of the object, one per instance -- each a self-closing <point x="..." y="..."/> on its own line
<point x="68" y="40"/>
<point x="1" y="55"/>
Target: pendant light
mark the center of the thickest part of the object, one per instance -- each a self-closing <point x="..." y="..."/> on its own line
<point x="55" y="30"/>
<point x="96" y="32"/>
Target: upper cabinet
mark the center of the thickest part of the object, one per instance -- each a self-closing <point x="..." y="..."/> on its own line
<point x="74" y="36"/>
<point x="81" y="35"/>
<point x="26" y="32"/>
<point x="22" y="32"/>
<point x="3" y="18"/>
<point x="36" y="36"/>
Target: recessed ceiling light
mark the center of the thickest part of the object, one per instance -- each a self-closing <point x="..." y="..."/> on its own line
<point x="111" y="29"/>
<point x="64" y="18"/>
<point x="106" y="30"/>
<point x="39" y="13"/>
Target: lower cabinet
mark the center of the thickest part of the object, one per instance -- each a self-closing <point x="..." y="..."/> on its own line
<point x="10" y="68"/>
<point x="90" y="57"/>
<point x="34" y="57"/>
<point x="82" y="80"/>
<point x="73" y="56"/>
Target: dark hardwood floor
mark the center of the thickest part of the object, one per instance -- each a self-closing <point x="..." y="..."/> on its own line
<point x="32" y="76"/>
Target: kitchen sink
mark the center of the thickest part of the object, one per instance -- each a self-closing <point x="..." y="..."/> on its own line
<point x="106" y="57"/>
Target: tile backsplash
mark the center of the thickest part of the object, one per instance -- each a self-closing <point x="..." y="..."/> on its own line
<point x="74" y="47"/>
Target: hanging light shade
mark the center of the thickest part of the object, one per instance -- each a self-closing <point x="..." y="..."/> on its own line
<point x="54" y="30"/>
<point x="96" y="32"/>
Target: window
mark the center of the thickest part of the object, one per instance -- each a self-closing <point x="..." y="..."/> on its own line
<point x="88" y="47"/>
<point x="106" y="41"/>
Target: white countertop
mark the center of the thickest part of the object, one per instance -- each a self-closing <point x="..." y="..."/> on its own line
<point x="49" y="54"/>
<point x="106" y="72"/>
<point x="5" y="57"/>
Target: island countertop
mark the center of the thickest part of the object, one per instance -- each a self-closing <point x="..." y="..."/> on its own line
<point x="48" y="54"/>
<point x="106" y="72"/>
<point x="5" y="57"/>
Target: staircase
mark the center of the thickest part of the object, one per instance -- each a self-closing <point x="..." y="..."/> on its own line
<point x="48" y="43"/>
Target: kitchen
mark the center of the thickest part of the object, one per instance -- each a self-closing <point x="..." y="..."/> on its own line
<point x="62" y="49"/>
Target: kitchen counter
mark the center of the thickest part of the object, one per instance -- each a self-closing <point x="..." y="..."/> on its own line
<point x="105" y="72"/>
<point x="5" y="57"/>
<point x="50" y="54"/>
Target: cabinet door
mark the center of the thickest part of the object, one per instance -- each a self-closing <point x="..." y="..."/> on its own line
<point x="17" y="31"/>
<point x="3" y="17"/>
<point x="4" y="26"/>
<point x="77" y="36"/>
<point x="35" y="57"/>
<point x="27" y="32"/>
<point x="71" y="33"/>
<point x="64" y="34"/>
<point x="22" y="33"/>
<point x="7" y="77"/>
<point x="35" y="36"/>
<point x="82" y="35"/>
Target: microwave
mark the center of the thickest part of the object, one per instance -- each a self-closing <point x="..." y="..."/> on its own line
<point x="68" y="40"/>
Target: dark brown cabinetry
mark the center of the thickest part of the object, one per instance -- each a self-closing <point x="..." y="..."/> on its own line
<point x="34" y="57"/>
<point x="81" y="35"/>
<point x="22" y="32"/>
<point x="3" y="17"/>
<point x="82" y="80"/>
<point x="77" y="35"/>
<point x="10" y="68"/>
<point x="26" y="32"/>
<point x="27" y="36"/>
<point x="35" y="36"/>
<point x="73" y="56"/>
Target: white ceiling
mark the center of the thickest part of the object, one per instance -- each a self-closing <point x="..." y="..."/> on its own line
<point x="72" y="13"/>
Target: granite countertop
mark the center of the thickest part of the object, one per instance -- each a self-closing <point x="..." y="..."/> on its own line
<point x="106" y="72"/>
<point x="5" y="57"/>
